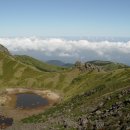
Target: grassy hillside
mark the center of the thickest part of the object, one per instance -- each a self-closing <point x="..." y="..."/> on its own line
<point x="38" y="64"/>
<point x="89" y="98"/>
<point x="99" y="100"/>
<point x="29" y="72"/>
<point x="14" y="73"/>
<point x="33" y="73"/>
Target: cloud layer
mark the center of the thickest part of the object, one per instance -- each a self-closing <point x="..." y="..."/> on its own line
<point x="70" y="49"/>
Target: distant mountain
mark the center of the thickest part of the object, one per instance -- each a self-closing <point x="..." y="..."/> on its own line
<point x="56" y="62"/>
<point x="108" y="65"/>
<point x="59" y="63"/>
<point x="68" y="65"/>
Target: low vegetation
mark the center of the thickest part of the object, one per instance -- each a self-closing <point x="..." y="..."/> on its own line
<point x="94" y="95"/>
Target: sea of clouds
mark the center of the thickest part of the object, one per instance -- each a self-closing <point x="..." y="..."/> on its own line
<point x="64" y="49"/>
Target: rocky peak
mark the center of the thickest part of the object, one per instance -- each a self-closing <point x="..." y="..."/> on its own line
<point x="87" y="66"/>
<point x="4" y="49"/>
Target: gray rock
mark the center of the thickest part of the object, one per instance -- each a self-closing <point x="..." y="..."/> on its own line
<point x="101" y="104"/>
<point x="120" y="96"/>
<point x="99" y="124"/>
<point x="98" y="112"/>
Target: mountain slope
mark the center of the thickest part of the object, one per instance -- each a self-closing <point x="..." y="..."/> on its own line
<point x="38" y="64"/>
<point x="32" y="73"/>
<point x="108" y="65"/>
<point x="90" y="99"/>
<point x="24" y="71"/>
<point x="3" y="49"/>
<point x="102" y="101"/>
<point x="14" y="73"/>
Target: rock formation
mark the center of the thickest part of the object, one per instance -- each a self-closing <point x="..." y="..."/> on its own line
<point x="83" y="67"/>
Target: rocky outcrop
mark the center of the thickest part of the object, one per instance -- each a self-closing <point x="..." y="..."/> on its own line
<point x="83" y="67"/>
<point x="111" y="112"/>
<point x="4" y="49"/>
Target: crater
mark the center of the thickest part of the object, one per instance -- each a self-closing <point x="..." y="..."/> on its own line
<point x="18" y="103"/>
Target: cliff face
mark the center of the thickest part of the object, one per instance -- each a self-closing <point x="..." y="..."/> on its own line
<point x="3" y="49"/>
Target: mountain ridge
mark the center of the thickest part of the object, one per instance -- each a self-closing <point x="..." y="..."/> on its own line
<point x="59" y="63"/>
<point x="4" y="49"/>
<point x="43" y="66"/>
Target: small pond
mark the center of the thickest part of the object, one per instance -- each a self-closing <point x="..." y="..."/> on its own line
<point x="30" y="100"/>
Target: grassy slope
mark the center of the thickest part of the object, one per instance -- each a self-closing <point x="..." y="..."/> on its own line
<point x="14" y="73"/>
<point x="26" y="73"/>
<point x="38" y="64"/>
<point x="93" y="84"/>
<point x="71" y="83"/>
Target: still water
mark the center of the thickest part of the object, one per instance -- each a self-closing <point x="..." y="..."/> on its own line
<point x="30" y="100"/>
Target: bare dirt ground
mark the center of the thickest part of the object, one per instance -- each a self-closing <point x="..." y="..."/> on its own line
<point x="8" y="100"/>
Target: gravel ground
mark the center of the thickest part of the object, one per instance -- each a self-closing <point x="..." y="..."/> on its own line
<point x="19" y="126"/>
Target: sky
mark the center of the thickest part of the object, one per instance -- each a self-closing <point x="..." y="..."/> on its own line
<point x="65" y="18"/>
<point x="69" y="50"/>
<point x="67" y="30"/>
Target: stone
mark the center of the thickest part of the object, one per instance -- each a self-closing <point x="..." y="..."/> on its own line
<point x="120" y="113"/>
<point x="119" y="96"/>
<point x="98" y="112"/>
<point x="99" y="124"/>
<point x="101" y="104"/>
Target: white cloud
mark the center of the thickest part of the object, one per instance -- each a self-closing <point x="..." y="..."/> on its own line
<point x="69" y="48"/>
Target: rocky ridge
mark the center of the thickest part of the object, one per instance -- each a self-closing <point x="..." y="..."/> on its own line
<point x="4" y="49"/>
<point x="83" y="67"/>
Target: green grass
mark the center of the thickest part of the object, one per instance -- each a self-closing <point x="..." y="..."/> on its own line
<point x="108" y="65"/>
<point x="40" y="65"/>
<point x="78" y="89"/>
<point x="84" y="90"/>
<point x="17" y="74"/>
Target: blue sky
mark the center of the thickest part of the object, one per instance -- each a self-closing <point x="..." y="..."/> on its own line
<point x="65" y="18"/>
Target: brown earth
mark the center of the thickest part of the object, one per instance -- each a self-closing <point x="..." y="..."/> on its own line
<point x="8" y="101"/>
